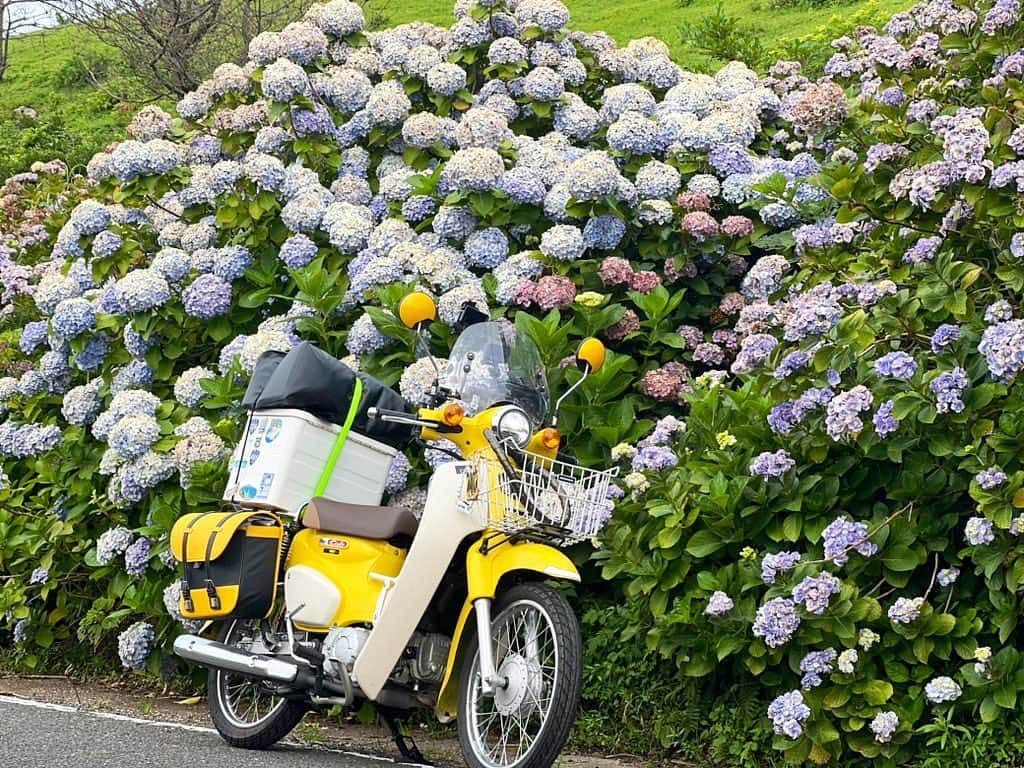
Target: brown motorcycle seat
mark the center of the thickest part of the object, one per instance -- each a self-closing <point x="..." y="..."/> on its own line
<point x="361" y="520"/>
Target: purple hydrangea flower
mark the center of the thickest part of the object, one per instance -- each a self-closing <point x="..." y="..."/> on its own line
<point x="773" y="564"/>
<point x="776" y="621"/>
<point x="654" y="457"/>
<point x="944" y="337"/>
<point x="906" y="610"/>
<point x="297" y="251"/>
<point x="896" y="365"/>
<point x="885" y="423"/>
<point x="814" y="665"/>
<point x="990" y="478"/>
<point x="816" y="591"/>
<point x="770" y="464"/>
<point x="949" y="388"/>
<point x="978" y="531"/>
<point x="842" y="536"/>
<point x="924" y="249"/>
<point x="842" y="414"/>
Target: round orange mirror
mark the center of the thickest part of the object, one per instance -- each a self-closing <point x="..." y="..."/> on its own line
<point x="590" y="355"/>
<point x="416" y="310"/>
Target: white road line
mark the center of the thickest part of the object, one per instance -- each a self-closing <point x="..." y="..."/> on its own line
<point x="180" y="726"/>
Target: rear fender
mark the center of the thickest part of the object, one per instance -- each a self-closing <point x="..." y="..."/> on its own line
<point x="485" y="572"/>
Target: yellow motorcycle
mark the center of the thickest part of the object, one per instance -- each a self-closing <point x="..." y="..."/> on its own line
<point x="450" y="610"/>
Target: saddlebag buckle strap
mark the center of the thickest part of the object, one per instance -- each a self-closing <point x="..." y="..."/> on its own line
<point x="211" y="590"/>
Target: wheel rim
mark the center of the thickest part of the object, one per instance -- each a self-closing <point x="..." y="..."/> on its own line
<point x="244" y="702"/>
<point x="503" y="728"/>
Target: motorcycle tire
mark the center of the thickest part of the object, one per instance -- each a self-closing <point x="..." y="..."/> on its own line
<point x="226" y="693"/>
<point x="540" y="701"/>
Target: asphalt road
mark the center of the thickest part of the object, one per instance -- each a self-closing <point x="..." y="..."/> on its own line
<point x="36" y="735"/>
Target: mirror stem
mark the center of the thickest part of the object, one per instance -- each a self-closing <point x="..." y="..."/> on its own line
<point x="425" y="349"/>
<point x="573" y="388"/>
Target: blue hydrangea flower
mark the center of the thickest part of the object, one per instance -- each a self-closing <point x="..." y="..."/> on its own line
<point x="603" y="233"/>
<point x="93" y="353"/>
<point x="142" y="290"/>
<point x="563" y="242"/>
<point x="135" y="644"/>
<point x="896" y="365"/>
<point x="787" y="713"/>
<point x="112" y="543"/>
<point x="207" y="297"/>
<point x="718" y="603"/>
<point x="72" y="317"/>
<point x="486" y="248"/>
<point x="136" y="557"/>
<point x="654" y="457"/>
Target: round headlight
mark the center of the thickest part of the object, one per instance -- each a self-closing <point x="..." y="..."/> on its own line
<point x="513" y="424"/>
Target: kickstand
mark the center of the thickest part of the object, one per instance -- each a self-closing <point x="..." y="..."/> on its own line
<point x="406" y="744"/>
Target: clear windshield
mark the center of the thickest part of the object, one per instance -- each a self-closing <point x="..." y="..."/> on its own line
<point x="491" y="364"/>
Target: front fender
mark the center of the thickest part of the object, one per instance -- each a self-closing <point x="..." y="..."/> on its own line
<point x="484" y="572"/>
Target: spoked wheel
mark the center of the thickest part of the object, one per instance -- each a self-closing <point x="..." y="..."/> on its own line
<point x="244" y="712"/>
<point x="538" y="649"/>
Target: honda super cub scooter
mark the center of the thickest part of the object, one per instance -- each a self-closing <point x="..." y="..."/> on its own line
<point x="449" y="610"/>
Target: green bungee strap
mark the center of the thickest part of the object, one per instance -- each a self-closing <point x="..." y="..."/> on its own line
<point x="339" y="443"/>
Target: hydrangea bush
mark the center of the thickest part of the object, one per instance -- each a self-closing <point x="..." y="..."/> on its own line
<point x="808" y="287"/>
<point x="552" y="178"/>
<point x="843" y="522"/>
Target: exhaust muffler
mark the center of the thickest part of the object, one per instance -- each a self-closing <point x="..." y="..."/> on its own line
<point x="210" y="653"/>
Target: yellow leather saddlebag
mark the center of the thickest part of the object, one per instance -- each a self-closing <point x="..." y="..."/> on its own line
<point x="231" y="561"/>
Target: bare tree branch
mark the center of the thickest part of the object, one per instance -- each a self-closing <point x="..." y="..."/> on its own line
<point x="16" y="17"/>
<point x="171" y="45"/>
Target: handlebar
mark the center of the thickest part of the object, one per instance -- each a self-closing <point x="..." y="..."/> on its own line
<point x="398" y="417"/>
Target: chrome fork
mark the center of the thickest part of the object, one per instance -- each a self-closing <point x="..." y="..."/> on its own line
<point x="489" y="678"/>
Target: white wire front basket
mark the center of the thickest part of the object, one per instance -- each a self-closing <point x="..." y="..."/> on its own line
<point x="547" y="499"/>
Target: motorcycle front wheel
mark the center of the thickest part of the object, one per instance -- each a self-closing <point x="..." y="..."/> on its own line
<point x="245" y="714"/>
<point x="539" y="651"/>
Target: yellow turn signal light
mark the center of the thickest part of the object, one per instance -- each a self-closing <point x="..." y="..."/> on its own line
<point x="453" y="414"/>
<point x="550" y="439"/>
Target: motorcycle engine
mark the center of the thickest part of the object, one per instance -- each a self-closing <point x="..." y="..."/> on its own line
<point x="341" y="647"/>
<point x="424" y="660"/>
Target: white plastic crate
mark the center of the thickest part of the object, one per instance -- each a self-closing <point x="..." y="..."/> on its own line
<point x="286" y="451"/>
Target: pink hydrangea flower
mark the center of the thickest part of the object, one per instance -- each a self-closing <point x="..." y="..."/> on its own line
<point x="700" y="224"/>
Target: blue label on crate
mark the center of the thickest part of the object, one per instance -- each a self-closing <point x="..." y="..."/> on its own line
<point x="274" y="430"/>
<point x="247" y="492"/>
<point x="253" y="456"/>
<point x="265" y="484"/>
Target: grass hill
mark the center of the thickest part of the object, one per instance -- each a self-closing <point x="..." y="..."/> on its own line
<point x="77" y="85"/>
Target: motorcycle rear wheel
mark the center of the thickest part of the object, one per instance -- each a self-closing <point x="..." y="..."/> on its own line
<point x="242" y="710"/>
<point x="537" y="646"/>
